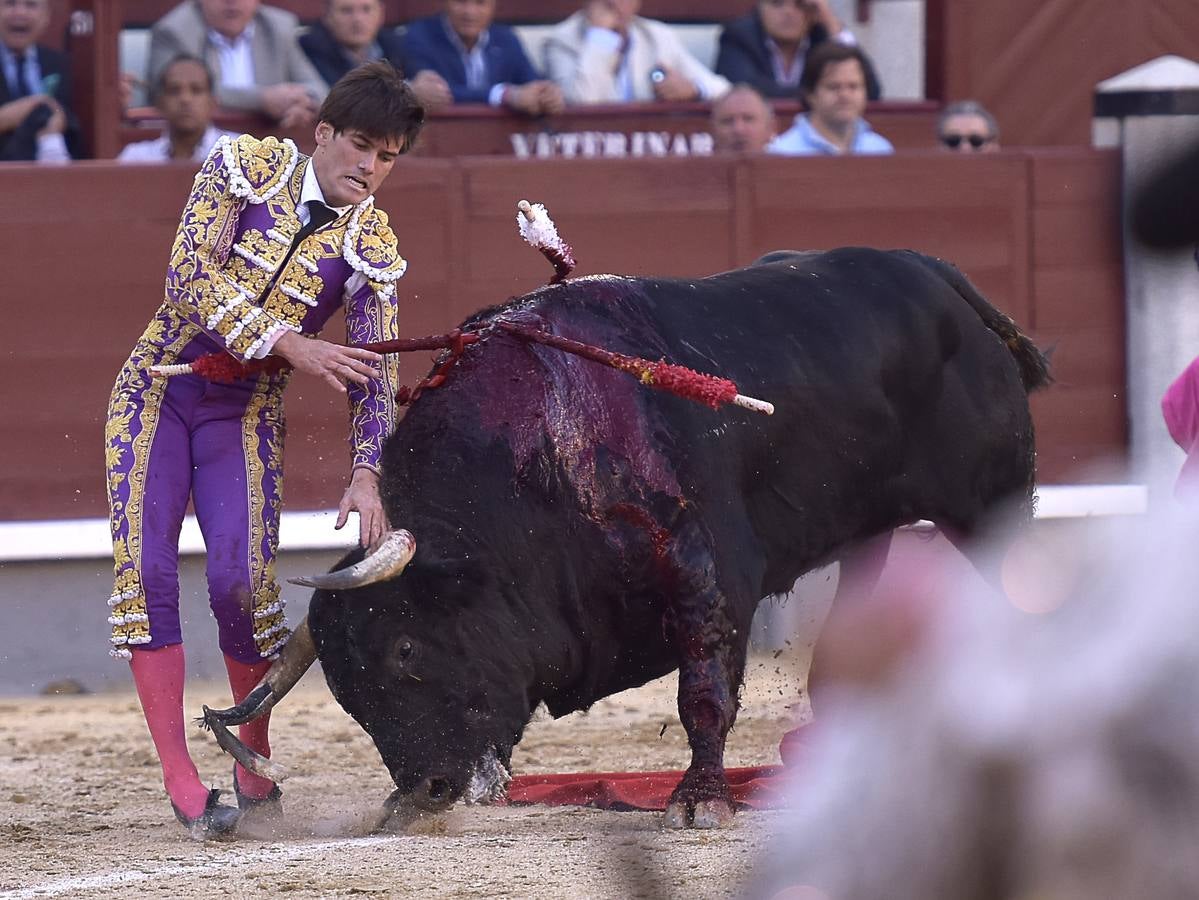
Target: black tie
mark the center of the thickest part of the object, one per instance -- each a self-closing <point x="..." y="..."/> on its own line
<point x="319" y="215"/>
<point x="22" y="86"/>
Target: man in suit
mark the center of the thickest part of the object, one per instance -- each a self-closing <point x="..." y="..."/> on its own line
<point x="35" y="111"/>
<point x="481" y="61"/>
<point x="767" y="47"/>
<point x="252" y="50"/>
<point x="606" y="53"/>
<point x="351" y="33"/>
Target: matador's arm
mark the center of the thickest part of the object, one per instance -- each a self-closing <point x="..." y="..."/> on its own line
<point x="372" y="316"/>
<point x="235" y="172"/>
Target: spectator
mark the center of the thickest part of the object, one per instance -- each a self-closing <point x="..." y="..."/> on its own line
<point x="184" y="96"/>
<point x="742" y="121"/>
<point x="352" y="33"/>
<point x="252" y="50"/>
<point x="35" y="118"/>
<point x="481" y="61"/>
<point x="833" y="88"/>
<point x="767" y="47"/>
<point x="967" y="127"/>
<point x="606" y="53"/>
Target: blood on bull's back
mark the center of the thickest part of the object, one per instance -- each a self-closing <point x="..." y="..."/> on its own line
<point x="894" y="402"/>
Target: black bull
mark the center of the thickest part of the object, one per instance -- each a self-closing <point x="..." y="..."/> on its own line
<point x="580" y="534"/>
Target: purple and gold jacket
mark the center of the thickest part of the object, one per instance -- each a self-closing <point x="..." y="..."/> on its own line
<point x="236" y="229"/>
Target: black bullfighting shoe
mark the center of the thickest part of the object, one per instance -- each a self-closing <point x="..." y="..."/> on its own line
<point x="217" y="820"/>
<point x="263" y="808"/>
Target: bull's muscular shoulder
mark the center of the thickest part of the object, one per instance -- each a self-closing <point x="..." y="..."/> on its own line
<point x="372" y="248"/>
<point x="258" y="169"/>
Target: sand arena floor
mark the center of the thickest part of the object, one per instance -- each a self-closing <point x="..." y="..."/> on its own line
<point x="83" y="813"/>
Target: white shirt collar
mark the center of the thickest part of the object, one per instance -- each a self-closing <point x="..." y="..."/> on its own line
<point x="229" y="43"/>
<point x="311" y="190"/>
<point x="26" y="55"/>
<point x="480" y="44"/>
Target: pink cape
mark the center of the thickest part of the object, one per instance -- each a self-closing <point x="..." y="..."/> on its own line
<point x="1180" y="409"/>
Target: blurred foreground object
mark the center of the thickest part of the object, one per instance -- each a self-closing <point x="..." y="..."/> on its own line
<point x="1165" y="211"/>
<point x="1042" y="747"/>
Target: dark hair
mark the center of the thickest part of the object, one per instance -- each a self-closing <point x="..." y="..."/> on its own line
<point x="823" y="56"/>
<point x="375" y="100"/>
<point x="160" y="83"/>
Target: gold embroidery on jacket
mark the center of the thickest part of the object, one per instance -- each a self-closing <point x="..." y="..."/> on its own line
<point x="264" y="410"/>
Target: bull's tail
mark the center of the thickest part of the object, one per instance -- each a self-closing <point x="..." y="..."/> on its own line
<point x="1033" y="364"/>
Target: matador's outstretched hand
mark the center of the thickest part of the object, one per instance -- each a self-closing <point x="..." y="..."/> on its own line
<point x="334" y="363"/>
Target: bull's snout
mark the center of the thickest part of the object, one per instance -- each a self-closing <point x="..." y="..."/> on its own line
<point x="434" y="794"/>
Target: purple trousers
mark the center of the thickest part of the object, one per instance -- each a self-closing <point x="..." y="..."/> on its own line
<point x="221" y="447"/>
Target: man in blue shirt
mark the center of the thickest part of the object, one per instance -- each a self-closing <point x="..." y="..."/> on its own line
<point x="481" y="61"/>
<point x="833" y="88"/>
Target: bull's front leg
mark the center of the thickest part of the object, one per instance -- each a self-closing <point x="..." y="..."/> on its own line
<point x="711" y="650"/>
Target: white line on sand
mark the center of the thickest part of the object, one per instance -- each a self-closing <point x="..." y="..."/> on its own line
<point x="269" y="853"/>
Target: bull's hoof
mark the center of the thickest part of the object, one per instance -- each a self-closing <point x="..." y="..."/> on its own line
<point x="712" y="814"/>
<point x="701" y="814"/>
<point x="676" y="816"/>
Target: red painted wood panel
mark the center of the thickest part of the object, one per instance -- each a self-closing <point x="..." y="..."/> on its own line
<point x="1035" y="63"/>
<point x="972" y="211"/>
<point x="104" y="232"/>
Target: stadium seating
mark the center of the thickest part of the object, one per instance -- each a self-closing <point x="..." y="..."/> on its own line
<point x="701" y="39"/>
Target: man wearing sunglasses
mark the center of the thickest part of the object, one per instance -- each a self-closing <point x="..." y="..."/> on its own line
<point x="967" y="127"/>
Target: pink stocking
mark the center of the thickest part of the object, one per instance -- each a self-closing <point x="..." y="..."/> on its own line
<point x="158" y="675"/>
<point x="243" y="678"/>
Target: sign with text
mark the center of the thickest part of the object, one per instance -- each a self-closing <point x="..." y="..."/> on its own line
<point x="609" y="144"/>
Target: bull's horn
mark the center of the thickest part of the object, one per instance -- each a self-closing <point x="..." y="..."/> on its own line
<point x="296" y="657"/>
<point x="386" y="562"/>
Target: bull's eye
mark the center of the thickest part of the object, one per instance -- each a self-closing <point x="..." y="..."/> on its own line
<point x="405" y="649"/>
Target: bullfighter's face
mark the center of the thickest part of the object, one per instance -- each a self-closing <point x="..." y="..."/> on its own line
<point x="350" y="165"/>
<point x="429" y="674"/>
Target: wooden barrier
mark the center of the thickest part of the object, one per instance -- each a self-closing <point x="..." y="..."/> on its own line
<point x="1038" y="231"/>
